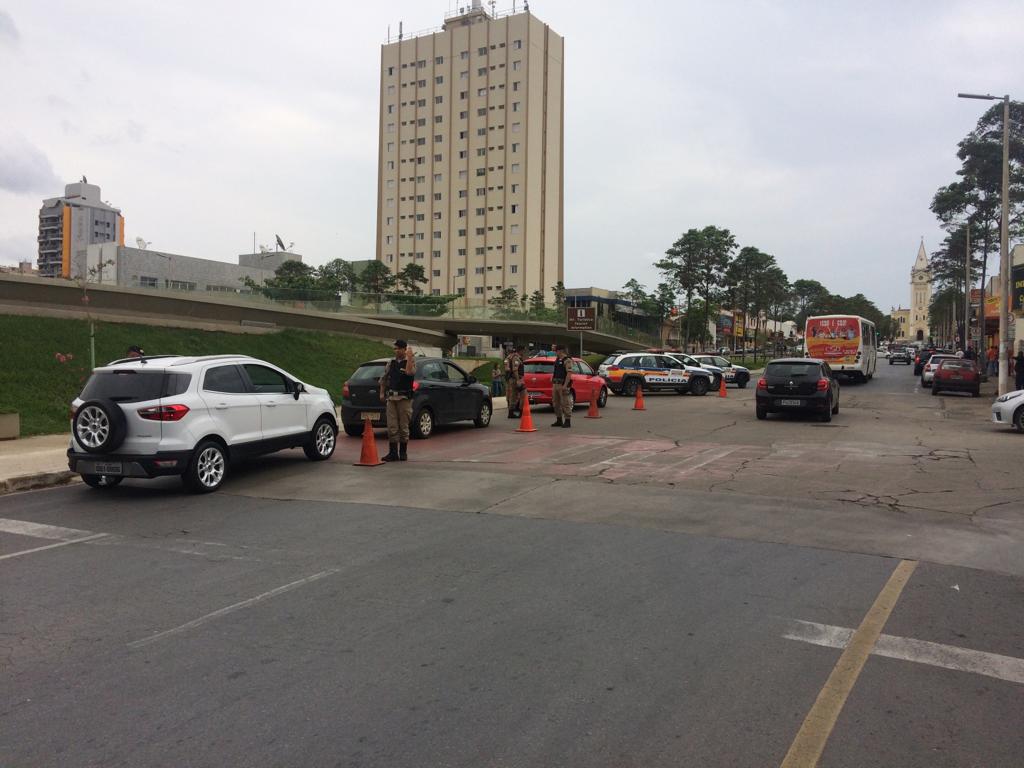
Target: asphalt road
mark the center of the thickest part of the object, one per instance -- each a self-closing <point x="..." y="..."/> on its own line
<point x="618" y="594"/>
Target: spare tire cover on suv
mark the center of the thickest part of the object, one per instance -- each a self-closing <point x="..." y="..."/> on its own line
<point x="99" y="425"/>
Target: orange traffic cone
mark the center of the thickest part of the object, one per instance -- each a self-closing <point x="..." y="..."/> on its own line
<point x="721" y="388"/>
<point x="526" y="422"/>
<point x="368" y="457"/>
<point x="638" y="404"/>
<point x="592" y="412"/>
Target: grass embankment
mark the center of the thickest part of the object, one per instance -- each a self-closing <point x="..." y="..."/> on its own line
<point x="38" y="385"/>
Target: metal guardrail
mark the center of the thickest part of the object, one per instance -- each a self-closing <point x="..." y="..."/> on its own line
<point x="382" y="305"/>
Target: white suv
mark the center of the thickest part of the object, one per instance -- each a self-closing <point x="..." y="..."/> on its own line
<point x="190" y="416"/>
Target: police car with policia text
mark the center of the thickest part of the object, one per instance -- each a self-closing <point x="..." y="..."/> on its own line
<point x="625" y="372"/>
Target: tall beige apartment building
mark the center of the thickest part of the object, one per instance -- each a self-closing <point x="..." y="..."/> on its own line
<point x="470" y="176"/>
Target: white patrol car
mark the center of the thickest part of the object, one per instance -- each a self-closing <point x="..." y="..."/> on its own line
<point x="625" y="372"/>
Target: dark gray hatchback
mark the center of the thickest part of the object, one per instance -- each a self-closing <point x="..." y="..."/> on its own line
<point x="443" y="393"/>
<point x="798" y="384"/>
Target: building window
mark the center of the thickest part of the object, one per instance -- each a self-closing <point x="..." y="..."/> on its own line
<point x="515" y="147"/>
<point x="516" y="105"/>
<point x="513" y="249"/>
<point x="517" y="45"/>
<point x="147" y="282"/>
<point x="515" y="169"/>
<point x="480" y="251"/>
<point x="461" y="291"/>
<point x="391" y="70"/>
<point x="439" y="59"/>
<point x="514" y="208"/>
<point x="478" y="290"/>
<point x="481" y="91"/>
<point x="516" y="65"/>
<point x="437" y="195"/>
<point x="482" y="71"/>
<point x="391" y="109"/>
<point x="464" y="55"/>
<point x="516" y="127"/>
<point x="439" y="99"/>
<point x="460" y="272"/>
<point x="514" y="229"/>
<point x="514" y="268"/>
<point x="515" y="85"/>
<point x="479" y="270"/>
<point x="439" y="79"/>
<point x="481" y="51"/>
<point x="436" y="272"/>
<point x="390" y="128"/>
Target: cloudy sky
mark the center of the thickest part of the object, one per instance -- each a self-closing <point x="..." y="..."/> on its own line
<point x="816" y="131"/>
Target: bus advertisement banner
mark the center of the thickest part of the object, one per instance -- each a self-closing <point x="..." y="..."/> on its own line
<point x="836" y="340"/>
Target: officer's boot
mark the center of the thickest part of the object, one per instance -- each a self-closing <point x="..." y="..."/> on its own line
<point x="403" y="451"/>
<point x="567" y="423"/>
<point x="558" y="421"/>
<point x="392" y="454"/>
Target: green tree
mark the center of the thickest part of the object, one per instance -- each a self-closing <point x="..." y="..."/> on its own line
<point x="336" y="276"/>
<point x="809" y="298"/>
<point x="410" y="277"/>
<point x="376" y="278"/>
<point x="506" y="304"/>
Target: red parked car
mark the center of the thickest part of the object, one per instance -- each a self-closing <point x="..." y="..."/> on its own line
<point x="585" y="381"/>
<point x="954" y="374"/>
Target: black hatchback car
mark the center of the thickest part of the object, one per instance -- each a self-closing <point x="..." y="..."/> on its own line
<point x="798" y="384"/>
<point x="443" y="393"/>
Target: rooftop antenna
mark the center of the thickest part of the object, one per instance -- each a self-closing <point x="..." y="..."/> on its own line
<point x="142" y="243"/>
<point x="399" y="31"/>
<point x="492" y="3"/>
<point x="84" y="180"/>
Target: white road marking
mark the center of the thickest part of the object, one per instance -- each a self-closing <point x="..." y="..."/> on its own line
<point x="919" y="651"/>
<point x="230" y="609"/>
<point x="41" y="531"/>
<point x="706" y="457"/>
<point x="53" y="546"/>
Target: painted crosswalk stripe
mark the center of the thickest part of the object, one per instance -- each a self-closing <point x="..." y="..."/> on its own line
<point x="919" y="651"/>
<point x="41" y="530"/>
<point x="63" y="536"/>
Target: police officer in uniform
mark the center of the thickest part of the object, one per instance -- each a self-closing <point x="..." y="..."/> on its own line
<point x="396" y="391"/>
<point x="514" y="370"/>
<point x="561" y="383"/>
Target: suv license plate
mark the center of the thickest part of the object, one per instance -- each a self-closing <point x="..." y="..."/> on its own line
<point x="371" y="415"/>
<point x="797" y="403"/>
<point x="109" y="468"/>
<point x="533" y="396"/>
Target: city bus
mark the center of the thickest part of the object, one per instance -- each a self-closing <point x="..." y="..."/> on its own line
<point x="848" y="343"/>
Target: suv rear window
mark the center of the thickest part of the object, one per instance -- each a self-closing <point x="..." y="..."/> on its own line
<point x="790" y="370"/>
<point x="125" y="386"/>
<point x="368" y="372"/>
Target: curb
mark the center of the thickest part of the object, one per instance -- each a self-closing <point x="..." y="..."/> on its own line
<point x="37" y="481"/>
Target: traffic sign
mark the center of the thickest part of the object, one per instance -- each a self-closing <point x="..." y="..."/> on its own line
<point x="581" y="318"/>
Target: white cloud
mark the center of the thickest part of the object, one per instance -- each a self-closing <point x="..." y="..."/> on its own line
<point x="24" y="168"/>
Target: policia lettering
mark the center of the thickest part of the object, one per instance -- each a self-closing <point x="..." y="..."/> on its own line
<point x="396" y="392"/>
<point x="515" y="387"/>
<point x="561" y="384"/>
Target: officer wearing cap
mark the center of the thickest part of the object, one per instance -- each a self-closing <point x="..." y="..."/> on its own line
<point x="561" y="384"/>
<point x="396" y="392"/>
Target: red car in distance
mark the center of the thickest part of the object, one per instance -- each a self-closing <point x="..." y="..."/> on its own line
<point x="585" y="381"/>
<point x="954" y="374"/>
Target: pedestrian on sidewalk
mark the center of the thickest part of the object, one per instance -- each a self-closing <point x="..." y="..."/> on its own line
<point x="497" y="381"/>
<point x="396" y="391"/>
<point x="1018" y="364"/>
<point x="561" y="386"/>
<point x="993" y="361"/>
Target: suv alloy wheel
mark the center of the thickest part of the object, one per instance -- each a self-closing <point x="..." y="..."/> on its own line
<point x="208" y="468"/>
<point x="484" y="416"/>
<point x="699" y="386"/>
<point x="321" y="441"/>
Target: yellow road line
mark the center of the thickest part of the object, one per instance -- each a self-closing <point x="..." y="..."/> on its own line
<point x="810" y="741"/>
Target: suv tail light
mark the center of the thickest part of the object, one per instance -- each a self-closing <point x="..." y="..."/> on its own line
<point x="611" y="368"/>
<point x="344" y="390"/>
<point x="415" y="386"/>
<point x="762" y="383"/>
<point x="927" y="367"/>
<point x="822" y="385"/>
<point x="164" y="412"/>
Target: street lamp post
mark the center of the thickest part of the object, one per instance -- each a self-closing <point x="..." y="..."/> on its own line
<point x="1004" y="245"/>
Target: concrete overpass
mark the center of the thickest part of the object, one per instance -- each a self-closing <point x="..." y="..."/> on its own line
<point x="190" y="309"/>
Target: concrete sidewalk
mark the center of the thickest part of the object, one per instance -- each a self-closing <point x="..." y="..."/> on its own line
<point x="34" y="462"/>
<point x="40" y="462"/>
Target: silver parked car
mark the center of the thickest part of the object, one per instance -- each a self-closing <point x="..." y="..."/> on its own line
<point x="1009" y="409"/>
